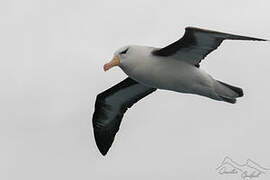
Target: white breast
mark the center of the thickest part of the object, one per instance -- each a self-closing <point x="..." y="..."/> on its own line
<point x="165" y="72"/>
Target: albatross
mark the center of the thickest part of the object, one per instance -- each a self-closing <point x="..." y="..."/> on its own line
<point x="175" y="67"/>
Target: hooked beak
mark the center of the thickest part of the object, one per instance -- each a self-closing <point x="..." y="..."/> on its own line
<point x="114" y="62"/>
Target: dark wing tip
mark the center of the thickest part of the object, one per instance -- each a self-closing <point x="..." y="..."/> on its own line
<point x="235" y="37"/>
<point x="103" y="140"/>
<point x="226" y="35"/>
<point x="101" y="134"/>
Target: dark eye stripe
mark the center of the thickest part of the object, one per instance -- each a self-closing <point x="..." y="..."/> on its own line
<point x="124" y="52"/>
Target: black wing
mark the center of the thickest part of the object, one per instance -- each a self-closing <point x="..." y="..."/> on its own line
<point x="197" y="43"/>
<point x="110" y="107"/>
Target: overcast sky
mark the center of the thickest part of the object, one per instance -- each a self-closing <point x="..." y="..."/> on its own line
<point x="52" y="53"/>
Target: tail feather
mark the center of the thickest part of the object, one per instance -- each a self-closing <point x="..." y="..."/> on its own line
<point x="238" y="90"/>
<point x="229" y="100"/>
<point x="228" y="93"/>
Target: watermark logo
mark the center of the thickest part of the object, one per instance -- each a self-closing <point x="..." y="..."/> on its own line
<point x="246" y="171"/>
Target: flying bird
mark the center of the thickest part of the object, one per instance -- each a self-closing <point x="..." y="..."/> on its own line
<point x="175" y="67"/>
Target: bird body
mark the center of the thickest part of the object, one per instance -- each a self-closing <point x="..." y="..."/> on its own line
<point x="174" y="67"/>
<point x="170" y="74"/>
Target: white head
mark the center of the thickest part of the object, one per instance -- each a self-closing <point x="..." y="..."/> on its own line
<point x="119" y="56"/>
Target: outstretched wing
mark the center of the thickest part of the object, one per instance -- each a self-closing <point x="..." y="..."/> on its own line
<point x="197" y="43"/>
<point x="110" y="107"/>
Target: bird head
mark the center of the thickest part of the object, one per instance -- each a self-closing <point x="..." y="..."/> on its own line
<point x="119" y="56"/>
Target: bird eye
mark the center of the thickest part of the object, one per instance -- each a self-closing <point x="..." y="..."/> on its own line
<point x="124" y="52"/>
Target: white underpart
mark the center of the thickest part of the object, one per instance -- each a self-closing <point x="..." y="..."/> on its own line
<point x="167" y="73"/>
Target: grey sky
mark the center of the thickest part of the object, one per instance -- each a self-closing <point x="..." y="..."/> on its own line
<point x="52" y="53"/>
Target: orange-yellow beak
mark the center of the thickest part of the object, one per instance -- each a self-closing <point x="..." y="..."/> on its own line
<point x="114" y="62"/>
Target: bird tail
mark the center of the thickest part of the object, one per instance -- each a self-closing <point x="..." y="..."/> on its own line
<point x="228" y="93"/>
